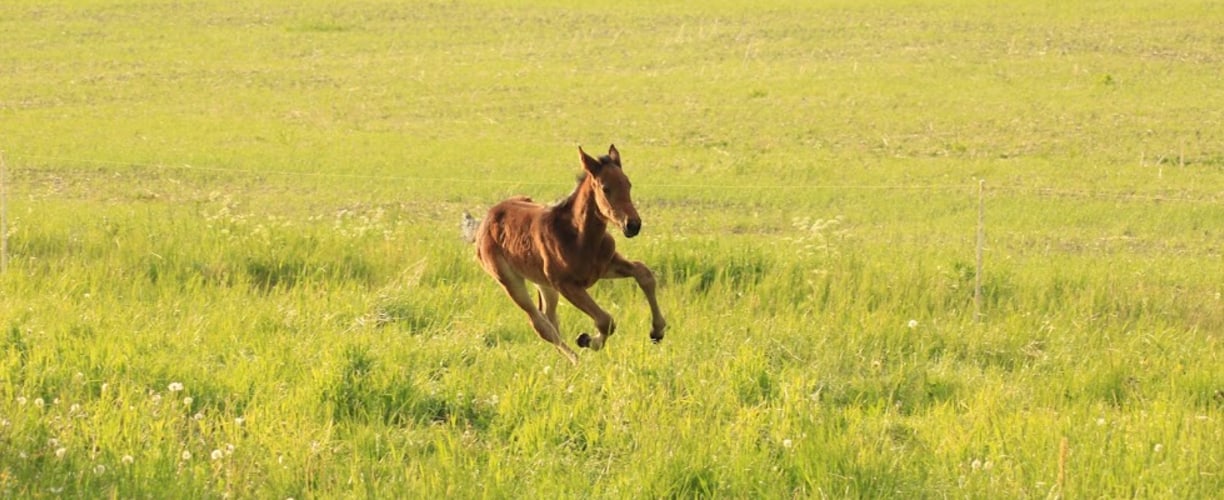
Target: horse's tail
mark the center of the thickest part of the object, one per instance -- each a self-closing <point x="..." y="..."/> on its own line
<point x="468" y="226"/>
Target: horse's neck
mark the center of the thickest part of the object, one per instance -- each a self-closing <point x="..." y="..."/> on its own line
<point x="585" y="214"/>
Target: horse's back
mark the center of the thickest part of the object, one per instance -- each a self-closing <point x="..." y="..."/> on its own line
<point x="511" y="214"/>
<point x="516" y="204"/>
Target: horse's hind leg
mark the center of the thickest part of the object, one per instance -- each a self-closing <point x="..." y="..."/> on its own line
<point x="623" y="268"/>
<point x="516" y="288"/>
<point x="548" y="304"/>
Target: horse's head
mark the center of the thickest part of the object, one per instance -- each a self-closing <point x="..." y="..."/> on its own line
<point x="611" y="190"/>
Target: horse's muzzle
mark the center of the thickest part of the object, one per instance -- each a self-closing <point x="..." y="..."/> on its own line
<point x="632" y="228"/>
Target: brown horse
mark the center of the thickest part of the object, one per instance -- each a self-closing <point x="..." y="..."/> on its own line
<point x="564" y="249"/>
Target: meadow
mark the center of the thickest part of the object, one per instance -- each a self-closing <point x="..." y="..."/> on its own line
<point x="234" y="269"/>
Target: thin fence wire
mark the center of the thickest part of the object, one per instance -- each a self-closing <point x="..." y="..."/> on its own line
<point x="968" y="187"/>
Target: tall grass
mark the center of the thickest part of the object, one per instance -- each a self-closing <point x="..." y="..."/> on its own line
<point x="235" y="268"/>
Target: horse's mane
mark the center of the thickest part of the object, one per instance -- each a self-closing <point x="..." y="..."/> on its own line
<point x="569" y="198"/>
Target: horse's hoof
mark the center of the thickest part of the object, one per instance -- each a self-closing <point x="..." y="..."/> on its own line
<point x="584" y="340"/>
<point x="655" y="339"/>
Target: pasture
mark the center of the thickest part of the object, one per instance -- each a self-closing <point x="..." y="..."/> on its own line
<point x="234" y="266"/>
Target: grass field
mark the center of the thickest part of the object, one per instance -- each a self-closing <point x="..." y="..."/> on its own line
<point x="234" y="267"/>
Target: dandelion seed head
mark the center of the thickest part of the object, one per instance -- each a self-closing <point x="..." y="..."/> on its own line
<point x="21" y="400"/>
<point x="39" y="402"/>
<point x="786" y="443"/>
<point x="217" y="455"/>
<point x="186" y="455"/>
<point x="913" y="323"/>
<point x="99" y="469"/>
<point x="187" y="401"/>
<point x="127" y="460"/>
<point x="175" y="386"/>
<point x="60" y="452"/>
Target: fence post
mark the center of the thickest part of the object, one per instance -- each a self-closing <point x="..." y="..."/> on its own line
<point x="981" y="242"/>
<point x="3" y="215"/>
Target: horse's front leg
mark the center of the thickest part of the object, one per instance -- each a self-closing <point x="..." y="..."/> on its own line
<point x="623" y="268"/>
<point x="578" y="296"/>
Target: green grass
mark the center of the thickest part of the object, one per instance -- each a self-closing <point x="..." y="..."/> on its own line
<point x="235" y="267"/>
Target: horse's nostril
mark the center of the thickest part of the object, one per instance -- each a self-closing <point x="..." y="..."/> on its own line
<point x="632" y="228"/>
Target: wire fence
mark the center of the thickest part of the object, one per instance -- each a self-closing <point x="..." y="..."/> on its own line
<point x="969" y="187"/>
<point x="977" y="188"/>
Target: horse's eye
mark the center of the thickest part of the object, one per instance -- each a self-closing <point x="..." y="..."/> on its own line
<point x="607" y="191"/>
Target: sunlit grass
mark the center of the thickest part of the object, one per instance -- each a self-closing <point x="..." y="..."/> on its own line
<point x="235" y="267"/>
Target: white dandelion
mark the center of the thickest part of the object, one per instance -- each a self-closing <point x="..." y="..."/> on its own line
<point x="175" y="386"/>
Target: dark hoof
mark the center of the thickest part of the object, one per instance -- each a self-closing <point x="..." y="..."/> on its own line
<point x="656" y="339"/>
<point x="584" y="340"/>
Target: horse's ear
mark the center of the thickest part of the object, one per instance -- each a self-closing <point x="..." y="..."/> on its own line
<point x="614" y="155"/>
<point x="589" y="164"/>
